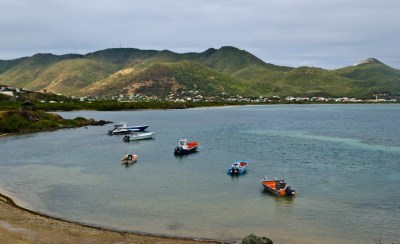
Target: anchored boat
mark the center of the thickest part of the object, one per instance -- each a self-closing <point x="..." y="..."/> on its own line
<point x="139" y="136"/>
<point x="129" y="159"/>
<point x="277" y="187"/>
<point x="185" y="147"/>
<point x="122" y="128"/>
<point x="237" y="168"/>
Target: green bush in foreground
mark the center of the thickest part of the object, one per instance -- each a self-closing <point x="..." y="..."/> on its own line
<point x="253" y="239"/>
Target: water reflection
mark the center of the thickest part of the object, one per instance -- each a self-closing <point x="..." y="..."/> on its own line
<point x="284" y="201"/>
<point x="128" y="165"/>
<point x="184" y="156"/>
<point x="279" y="202"/>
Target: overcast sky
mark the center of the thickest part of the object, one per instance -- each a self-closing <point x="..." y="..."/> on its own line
<point x="322" y="33"/>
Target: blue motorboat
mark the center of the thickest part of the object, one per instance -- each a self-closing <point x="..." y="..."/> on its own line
<point x="122" y="128"/>
<point x="237" y="168"/>
<point x="139" y="128"/>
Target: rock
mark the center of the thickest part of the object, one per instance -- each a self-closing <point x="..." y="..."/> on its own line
<point x="253" y="239"/>
<point x="101" y="122"/>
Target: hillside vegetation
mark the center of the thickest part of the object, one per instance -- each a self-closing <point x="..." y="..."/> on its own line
<point x="212" y="72"/>
<point x="24" y="121"/>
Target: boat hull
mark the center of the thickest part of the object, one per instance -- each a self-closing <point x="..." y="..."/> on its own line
<point x="138" y="127"/>
<point x="237" y="168"/>
<point x="271" y="187"/>
<point x="122" y="129"/>
<point x="122" y="132"/>
<point x="182" y="151"/>
<point x="232" y="172"/>
<point x="143" y="136"/>
<point x="129" y="159"/>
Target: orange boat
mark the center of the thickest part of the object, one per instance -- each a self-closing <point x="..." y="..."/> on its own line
<point x="277" y="187"/>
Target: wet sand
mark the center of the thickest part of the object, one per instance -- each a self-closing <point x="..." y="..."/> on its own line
<point x="19" y="225"/>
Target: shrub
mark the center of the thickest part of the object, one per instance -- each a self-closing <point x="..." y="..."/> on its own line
<point x="253" y="239"/>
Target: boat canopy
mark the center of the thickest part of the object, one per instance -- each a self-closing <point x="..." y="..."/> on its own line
<point x="183" y="143"/>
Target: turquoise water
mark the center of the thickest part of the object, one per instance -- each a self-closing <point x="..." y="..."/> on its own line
<point x="343" y="161"/>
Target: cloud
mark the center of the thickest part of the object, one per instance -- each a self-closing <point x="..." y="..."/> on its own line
<point x="288" y="32"/>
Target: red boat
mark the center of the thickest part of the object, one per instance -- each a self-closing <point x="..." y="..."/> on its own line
<point x="277" y="187"/>
<point x="185" y="147"/>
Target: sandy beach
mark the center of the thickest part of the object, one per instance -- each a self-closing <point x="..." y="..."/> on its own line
<point x="19" y="225"/>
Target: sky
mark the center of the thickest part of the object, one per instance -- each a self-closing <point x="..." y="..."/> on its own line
<point x="321" y="33"/>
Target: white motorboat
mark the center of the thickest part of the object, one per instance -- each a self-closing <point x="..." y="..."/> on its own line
<point x="139" y="136"/>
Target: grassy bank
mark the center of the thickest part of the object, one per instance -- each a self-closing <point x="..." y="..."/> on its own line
<point x="113" y="105"/>
<point x="24" y="121"/>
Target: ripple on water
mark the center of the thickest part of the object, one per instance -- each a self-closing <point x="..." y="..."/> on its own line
<point x="343" y="170"/>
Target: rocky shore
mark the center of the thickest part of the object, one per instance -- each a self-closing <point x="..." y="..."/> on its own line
<point x="19" y="225"/>
<point x="27" y="121"/>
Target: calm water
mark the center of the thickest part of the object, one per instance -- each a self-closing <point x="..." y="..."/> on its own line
<point x="343" y="161"/>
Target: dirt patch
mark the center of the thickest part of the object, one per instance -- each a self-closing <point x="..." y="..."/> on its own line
<point x="2" y="113"/>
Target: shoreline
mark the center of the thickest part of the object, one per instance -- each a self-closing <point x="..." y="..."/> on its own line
<point x="21" y="225"/>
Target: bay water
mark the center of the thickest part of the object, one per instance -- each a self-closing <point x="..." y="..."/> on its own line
<point x="342" y="160"/>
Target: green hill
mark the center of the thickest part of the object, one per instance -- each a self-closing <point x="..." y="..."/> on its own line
<point x="27" y="70"/>
<point x="161" y="79"/>
<point x="8" y="64"/>
<point x="371" y="76"/>
<point x="227" y="69"/>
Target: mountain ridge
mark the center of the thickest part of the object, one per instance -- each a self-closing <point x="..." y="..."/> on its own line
<point x="214" y="71"/>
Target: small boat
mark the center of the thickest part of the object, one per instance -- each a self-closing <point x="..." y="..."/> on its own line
<point x="122" y="128"/>
<point x="185" y="147"/>
<point x="129" y="159"/>
<point x="139" y="136"/>
<point x="277" y="187"/>
<point x="121" y="131"/>
<point x="138" y="127"/>
<point x="237" y="168"/>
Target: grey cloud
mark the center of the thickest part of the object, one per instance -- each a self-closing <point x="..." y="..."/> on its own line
<point x="328" y="34"/>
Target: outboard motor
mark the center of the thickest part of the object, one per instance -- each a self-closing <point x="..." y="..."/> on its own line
<point x="290" y="192"/>
<point x="126" y="138"/>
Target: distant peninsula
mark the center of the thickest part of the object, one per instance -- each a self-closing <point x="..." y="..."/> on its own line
<point x="27" y="121"/>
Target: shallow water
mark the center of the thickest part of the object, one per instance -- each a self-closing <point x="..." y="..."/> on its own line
<point x="343" y="161"/>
